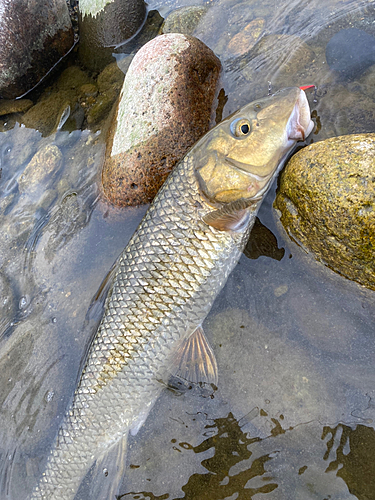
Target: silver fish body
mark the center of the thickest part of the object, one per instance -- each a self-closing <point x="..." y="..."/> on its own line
<point x="166" y="281"/>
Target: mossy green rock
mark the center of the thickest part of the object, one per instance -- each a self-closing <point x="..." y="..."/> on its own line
<point x="327" y="203"/>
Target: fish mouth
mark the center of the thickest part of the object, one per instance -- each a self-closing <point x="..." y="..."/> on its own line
<point x="300" y="125"/>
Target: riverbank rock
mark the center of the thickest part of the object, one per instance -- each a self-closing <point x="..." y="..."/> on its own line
<point x="326" y="198"/>
<point x="34" y="36"/>
<point x="165" y="107"/>
<point x="103" y="24"/>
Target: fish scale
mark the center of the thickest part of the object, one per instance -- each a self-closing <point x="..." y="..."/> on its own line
<point x="158" y="298"/>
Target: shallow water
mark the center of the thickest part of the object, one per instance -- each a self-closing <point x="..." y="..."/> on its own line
<point x="294" y="413"/>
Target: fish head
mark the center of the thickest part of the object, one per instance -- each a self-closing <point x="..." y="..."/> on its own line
<point x="239" y="157"/>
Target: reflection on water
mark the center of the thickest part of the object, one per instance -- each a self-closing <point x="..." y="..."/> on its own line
<point x="354" y="460"/>
<point x="229" y="446"/>
<point x="291" y="338"/>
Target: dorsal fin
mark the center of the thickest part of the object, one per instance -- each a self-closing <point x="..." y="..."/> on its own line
<point x="232" y="216"/>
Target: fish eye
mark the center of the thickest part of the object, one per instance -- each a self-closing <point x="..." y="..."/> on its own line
<point x="240" y="127"/>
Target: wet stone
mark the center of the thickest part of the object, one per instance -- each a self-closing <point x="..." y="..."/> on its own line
<point x="350" y="52"/>
<point x="47" y="112"/>
<point x="247" y="38"/>
<point x="111" y="78"/>
<point x="16" y="147"/>
<point x="89" y="90"/>
<point x="109" y="84"/>
<point x="183" y="20"/>
<point x="104" y="25"/>
<point x="346" y="109"/>
<point x="46" y="162"/>
<point x="165" y="107"/>
<point x="326" y="200"/>
<point x="34" y="36"/>
<point x="65" y="223"/>
<point x="8" y="106"/>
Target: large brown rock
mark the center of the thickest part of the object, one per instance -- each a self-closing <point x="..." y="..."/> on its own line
<point x="34" y="36"/>
<point x="327" y="204"/>
<point x="165" y="107"/>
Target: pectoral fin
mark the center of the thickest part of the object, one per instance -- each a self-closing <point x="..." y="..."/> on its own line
<point x="232" y="216"/>
<point x="195" y="360"/>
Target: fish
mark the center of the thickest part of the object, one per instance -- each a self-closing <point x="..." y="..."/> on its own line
<point x="164" y="284"/>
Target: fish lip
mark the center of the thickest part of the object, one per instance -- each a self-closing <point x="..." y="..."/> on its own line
<point x="300" y="125"/>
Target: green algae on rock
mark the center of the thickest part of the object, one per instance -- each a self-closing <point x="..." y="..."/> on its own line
<point x="327" y="203"/>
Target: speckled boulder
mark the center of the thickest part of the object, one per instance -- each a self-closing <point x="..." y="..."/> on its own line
<point x="34" y="36"/>
<point x="165" y="106"/>
<point x="327" y="204"/>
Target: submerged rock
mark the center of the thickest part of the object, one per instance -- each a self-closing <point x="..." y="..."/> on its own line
<point x="109" y="83"/>
<point x="262" y="241"/>
<point x="46" y="114"/>
<point x="165" y="106"/>
<point x="43" y="165"/>
<point x="184" y="20"/>
<point x="103" y="24"/>
<point x="34" y="36"/>
<point x="8" y="106"/>
<point x="350" y="52"/>
<point x="279" y="55"/>
<point x="346" y="110"/>
<point x="326" y="199"/>
<point x="243" y="41"/>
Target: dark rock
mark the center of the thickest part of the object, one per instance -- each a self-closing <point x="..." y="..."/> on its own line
<point x="326" y="198"/>
<point x="150" y="30"/>
<point x="350" y="52"/>
<point x="105" y="24"/>
<point x="165" y="107"/>
<point x="34" y="36"/>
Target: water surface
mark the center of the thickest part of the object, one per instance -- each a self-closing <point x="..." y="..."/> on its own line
<point x="294" y="412"/>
